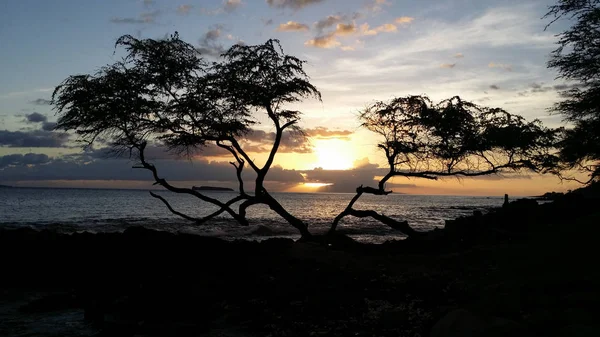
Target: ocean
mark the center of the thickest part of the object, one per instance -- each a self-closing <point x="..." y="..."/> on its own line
<point x="104" y="210"/>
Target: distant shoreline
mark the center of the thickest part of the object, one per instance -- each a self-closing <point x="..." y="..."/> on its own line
<point x="512" y="197"/>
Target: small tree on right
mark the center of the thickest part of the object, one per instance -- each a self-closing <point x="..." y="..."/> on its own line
<point x="577" y="59"/>
<point x="453" y="138"/>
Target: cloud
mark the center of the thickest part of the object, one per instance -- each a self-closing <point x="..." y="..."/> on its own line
<point x="213" y="34"/>
<point x="209" y="42"/>
<point x="83" y="167"/>
<point x="506" y="67"/>
<point x="36" y="117"/>
<point x="267" y="22"/>
<point x="345" y="29"/>
<point x="404" y="20"/>
<point x="535" y="88"/>
<point x="184" y="9"/>
<point x="148" y="3"/>
<point x="329" y="40"/>
<point x="19" y="93"/>
<point x="322" y="132"/>
<point x="363" y="173"/>
<point x="374" y="75"/>
<point x="387" y="28"/>
<point x="231" y="5"/>
<point x="494" y="87"/>
<point x="325" y="41"/>
<point x="259" y="141"/>
<point x="459" y="55"/>
<point x="48" y="126"/>
<point x="364" y="163"/>
<point x="292" y="26"/>
<point x="327" y="22"/>
<point x="144" y="18"/>
<point x="22" y="160"/>
<point x="448" y="65"/>
<point x="127" y="21"/>
<point x="41" y="101"/>
<point x="495" y="28"/>
<point x="377" y="5"/>
<point x="293" y="4"/>
<point x="366" y="30"/>
<point x="35" y="138"/>
<point x="153" y="152"/>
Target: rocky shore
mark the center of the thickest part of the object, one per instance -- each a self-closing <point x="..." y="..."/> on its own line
<point x="527" y="269"/>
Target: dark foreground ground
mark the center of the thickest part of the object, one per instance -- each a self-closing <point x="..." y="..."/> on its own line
<point x="525" y="270"/>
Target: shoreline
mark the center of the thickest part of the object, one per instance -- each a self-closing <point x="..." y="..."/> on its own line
<point x="524" y="266"/>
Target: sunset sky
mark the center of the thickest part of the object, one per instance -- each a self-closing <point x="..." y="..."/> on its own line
<point x="491" y="52"/>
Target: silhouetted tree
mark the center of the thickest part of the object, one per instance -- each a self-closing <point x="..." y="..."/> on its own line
<point x="578" y="59"/>
<point x="453" y="138"/>
<point x="163" y="92"/>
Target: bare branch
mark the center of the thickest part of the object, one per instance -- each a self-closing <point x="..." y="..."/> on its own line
<point x="401" y="226"/>
<point x="187" y="217"/>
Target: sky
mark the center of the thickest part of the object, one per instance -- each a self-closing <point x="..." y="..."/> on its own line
<point x="493" y="53"/>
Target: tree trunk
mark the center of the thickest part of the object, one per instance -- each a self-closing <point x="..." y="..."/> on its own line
<point x="292" y="220"/>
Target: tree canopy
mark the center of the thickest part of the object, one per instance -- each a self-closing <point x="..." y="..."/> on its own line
<point x="577" y="59"/>
<point x="452" y="138"/>
<point x="164" y="92"/>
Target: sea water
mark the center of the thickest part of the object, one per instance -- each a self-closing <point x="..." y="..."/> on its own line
<point x="104" y="210"/>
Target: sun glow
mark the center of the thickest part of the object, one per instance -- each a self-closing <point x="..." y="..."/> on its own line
<point x="334" y="154"/>
<point x="315" y="185"/>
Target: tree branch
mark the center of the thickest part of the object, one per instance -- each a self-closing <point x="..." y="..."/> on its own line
<point x="164" y="183"/>
<point x="187" y="217"/>
<point x="239" y="167"/>
<point x="239" y="149"/>
<point x="346" y="211"/>
<point x="278" y="134"/>
<point x="401" y="226"/>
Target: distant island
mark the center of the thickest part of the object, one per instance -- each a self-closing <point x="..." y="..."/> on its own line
<point x="5" y="186"/>
<point x="211" y="188"/>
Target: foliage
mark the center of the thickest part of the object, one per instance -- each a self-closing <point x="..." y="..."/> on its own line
<point x="163" y="92"/>
<point x="453" y="138"/>
<point x="577" y="59"/>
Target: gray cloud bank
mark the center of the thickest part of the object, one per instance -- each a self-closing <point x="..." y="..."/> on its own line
<point x="90" y="166"/>
<point x="35" y="138"/>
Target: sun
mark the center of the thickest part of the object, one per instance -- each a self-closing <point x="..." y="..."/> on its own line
<point x="334" y="154"/>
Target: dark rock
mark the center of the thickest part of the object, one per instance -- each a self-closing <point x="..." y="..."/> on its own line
<point x="53" y="302"/>
<point x="463" y="323"/>
<point x="522" y="205"/>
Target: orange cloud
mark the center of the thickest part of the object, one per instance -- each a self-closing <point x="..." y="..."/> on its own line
<point x="325" y="41"/>
<point x="404" y="19"/>
<point x="325" y="133"/>
<point x="345" y="29"/>
<point x="292" y="26"/>
<point x="366" y="30"/>
<point x="387" y="28"/>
